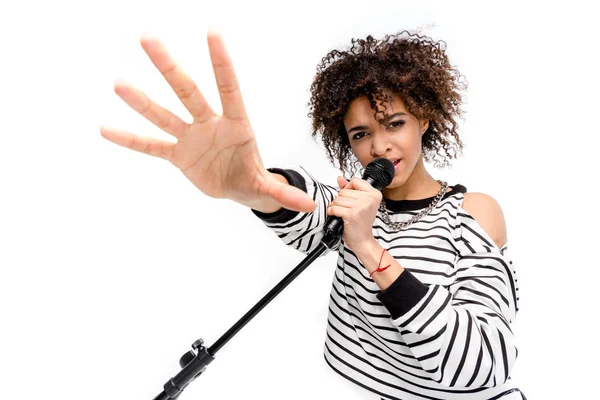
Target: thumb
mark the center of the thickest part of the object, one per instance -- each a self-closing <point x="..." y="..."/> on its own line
<point x="290" y="197"/>
<point x="342" y="182"/>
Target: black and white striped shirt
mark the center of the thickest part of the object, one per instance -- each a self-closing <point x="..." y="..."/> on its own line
<point x="442" y="329"/>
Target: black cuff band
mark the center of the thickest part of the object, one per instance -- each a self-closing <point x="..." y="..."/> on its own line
<point x="403" y="294"/>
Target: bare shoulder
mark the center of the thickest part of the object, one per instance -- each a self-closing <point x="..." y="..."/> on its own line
<point x="488" y="214"/>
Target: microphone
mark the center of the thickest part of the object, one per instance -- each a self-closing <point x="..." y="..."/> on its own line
<point x="379" y="173"/>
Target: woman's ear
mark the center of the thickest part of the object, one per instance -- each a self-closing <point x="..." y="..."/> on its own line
<point x="424" y="126"/>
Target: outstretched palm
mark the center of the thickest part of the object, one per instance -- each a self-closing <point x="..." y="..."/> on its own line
<point x="217" y="153"/>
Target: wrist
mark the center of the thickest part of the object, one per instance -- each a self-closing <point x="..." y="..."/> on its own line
<point x="368" y="251"/>
<point x="373" y="256"/>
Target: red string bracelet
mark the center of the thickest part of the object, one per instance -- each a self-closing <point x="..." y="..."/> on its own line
<point x="378" y="266"/>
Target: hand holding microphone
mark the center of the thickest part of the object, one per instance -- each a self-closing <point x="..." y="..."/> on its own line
<point x="355" y="207"/>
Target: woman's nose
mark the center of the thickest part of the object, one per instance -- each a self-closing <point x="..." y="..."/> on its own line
<point x="379" y="145"/>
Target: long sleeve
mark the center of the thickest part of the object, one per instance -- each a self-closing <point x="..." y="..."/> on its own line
<point x="460" y="333"/>
<point x="302" y="231"/>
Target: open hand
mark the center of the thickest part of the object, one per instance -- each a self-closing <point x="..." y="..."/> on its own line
<point x="217" y="153"/>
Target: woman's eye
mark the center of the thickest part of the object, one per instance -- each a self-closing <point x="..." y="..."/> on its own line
<point x="396" y="124"/>
<point x="357" y="136"/>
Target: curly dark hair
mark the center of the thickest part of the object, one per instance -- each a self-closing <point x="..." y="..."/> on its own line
<point x="406" y="64"/>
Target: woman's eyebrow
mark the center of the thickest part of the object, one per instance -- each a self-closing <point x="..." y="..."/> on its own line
<point x="387" y="118"/>
<point x="384" y="120"/>
<point x="358" y="128"/>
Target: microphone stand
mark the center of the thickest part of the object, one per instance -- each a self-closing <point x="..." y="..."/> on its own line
<point x="194" y="363"/>
<point x="379" y="173"/>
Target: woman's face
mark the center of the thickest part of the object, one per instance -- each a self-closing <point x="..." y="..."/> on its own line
<point x="397" y="137"/>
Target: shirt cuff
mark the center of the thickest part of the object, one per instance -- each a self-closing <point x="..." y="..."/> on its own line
<point x="283" y="215"/>
<point x="403" y="294"/>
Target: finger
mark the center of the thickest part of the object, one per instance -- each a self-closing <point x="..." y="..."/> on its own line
<point x="229" y="89"/>
<point x="180" y="82"/>
<point x="361" y="184"/>
<point x="147" y="145"/>
<point x="159" y="116"/>
<point x="289" y="196"/>
<point x="337" y="211"/>
<point x="362" y="187"/>
<point x="349" y="193"/>
<point x="345" y="202"/>
<point x="342" y="182"/>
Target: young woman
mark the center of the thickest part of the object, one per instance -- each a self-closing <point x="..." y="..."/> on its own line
<point x="424" y="293"/>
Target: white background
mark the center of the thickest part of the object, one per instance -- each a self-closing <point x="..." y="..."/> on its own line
<point x="112" y="263"/>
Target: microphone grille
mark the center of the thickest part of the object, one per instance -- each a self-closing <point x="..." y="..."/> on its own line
<point x="382" y="172"/>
